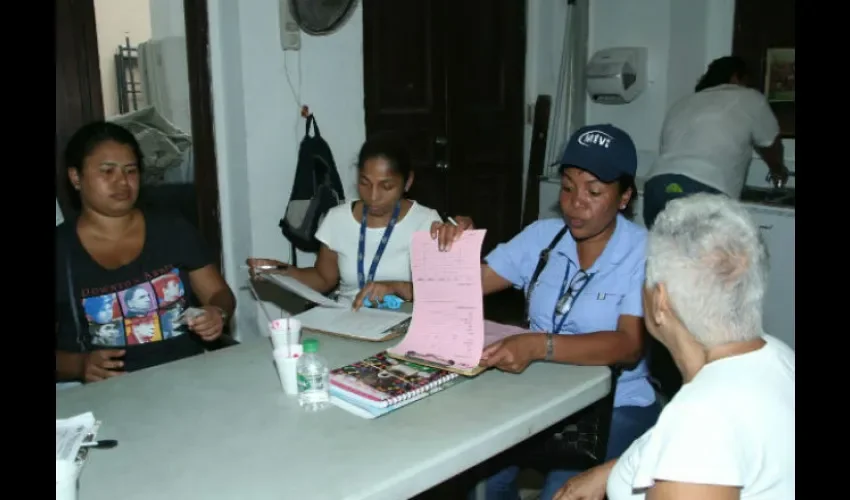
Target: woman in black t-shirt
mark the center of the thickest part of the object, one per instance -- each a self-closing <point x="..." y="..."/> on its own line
<point x="126" y="276"/>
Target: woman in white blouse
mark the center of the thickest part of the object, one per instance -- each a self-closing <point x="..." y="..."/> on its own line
<point x="377" y="228"/>
<point x="729" y="432"/>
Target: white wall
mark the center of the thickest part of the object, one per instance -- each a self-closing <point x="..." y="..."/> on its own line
<point x="115" y="21"/>
<point x="258" y="126"/>
<point x="682" y="36"/>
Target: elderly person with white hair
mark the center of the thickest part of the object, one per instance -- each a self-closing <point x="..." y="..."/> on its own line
<point x="729" y="432"/>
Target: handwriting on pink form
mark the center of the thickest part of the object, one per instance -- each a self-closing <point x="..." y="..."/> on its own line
<point x="448" y="313"/>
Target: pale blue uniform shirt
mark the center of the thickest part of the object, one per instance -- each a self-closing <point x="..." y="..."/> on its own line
<point x="615" y="288"/>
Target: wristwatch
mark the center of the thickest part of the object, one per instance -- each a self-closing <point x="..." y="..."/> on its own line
<point x="550" y="347"/>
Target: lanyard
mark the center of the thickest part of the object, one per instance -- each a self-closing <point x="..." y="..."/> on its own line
<point x="567" y="289"/>
<point x="361" y="248"/>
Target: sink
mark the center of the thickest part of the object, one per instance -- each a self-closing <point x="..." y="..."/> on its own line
<point x="784" y="197"/>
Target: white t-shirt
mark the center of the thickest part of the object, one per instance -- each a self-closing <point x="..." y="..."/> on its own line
<point x="708" y="136"/>
<point x="341" y="233"/>
<point x="733" y="424"/>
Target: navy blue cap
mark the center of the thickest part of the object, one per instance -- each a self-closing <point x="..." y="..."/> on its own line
<point x="603" y="150"/>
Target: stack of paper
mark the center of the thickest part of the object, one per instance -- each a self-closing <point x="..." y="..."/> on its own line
<point x="300" y="289"/>
<point x="337" y="318"/>
<point x="70" y="434"/>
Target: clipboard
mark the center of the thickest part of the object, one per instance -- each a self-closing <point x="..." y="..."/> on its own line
<point x="391" y="334"/>
<point x="467" y="372"/>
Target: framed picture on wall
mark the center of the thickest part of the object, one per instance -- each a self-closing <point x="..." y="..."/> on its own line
<point x="779" y="75"/>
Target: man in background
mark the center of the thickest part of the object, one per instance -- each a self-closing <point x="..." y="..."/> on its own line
<point x="708" y="139"/>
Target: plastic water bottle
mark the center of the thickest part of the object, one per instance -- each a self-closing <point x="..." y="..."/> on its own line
<point x="313" y="378"/>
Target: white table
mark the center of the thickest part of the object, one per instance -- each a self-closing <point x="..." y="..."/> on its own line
<point x="218" y="426"/>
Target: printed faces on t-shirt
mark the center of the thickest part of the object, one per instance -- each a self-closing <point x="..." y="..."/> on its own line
<point x="136" y="313"/>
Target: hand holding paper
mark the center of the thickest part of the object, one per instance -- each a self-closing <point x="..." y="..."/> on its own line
<point x="513" y="354"/>
<point x="447" y="233"/>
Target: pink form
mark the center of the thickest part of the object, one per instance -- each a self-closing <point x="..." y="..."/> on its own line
<point x="494" y="332"/>
<point x="448" y="308"/>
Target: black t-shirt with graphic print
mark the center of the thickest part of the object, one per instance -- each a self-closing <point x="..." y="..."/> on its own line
<point x="132" y="307"/>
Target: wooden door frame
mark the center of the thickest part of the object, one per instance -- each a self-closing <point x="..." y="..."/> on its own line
<point x="85" y="59"/>
<point x="196" y="16"/>
<point x="79" y="96"/>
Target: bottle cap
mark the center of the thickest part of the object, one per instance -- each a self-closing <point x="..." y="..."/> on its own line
<point x="311" y="345"/>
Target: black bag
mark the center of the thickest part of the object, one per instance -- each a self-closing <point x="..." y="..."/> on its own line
<point x="317" y="189"/>
<point x="580" y="441"/>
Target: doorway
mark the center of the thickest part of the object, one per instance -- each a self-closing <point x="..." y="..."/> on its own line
<point x="143" y="64"/>
<point x="450" y="76"/>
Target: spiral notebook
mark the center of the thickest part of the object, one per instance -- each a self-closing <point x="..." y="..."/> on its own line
<point x="344" y="400"/>
<point x="382" y="382"/>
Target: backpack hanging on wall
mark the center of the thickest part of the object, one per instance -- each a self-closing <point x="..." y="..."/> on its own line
<point x="317" y="189"/>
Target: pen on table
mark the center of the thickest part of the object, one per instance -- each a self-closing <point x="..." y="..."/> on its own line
<point x="103" y="444"/>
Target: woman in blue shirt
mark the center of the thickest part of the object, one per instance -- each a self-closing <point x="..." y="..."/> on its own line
<point x="585" y="308"/>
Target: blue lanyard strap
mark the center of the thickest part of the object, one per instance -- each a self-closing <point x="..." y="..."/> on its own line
<point x="568" y="296"/>
<point x="361" y="247"/>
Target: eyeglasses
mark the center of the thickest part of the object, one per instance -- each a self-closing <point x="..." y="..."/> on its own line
<point x="567" y="299"/>
<point x="566" y="302"/>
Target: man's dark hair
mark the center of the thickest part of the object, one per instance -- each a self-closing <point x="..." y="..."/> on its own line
<point x="721" y="71"/>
